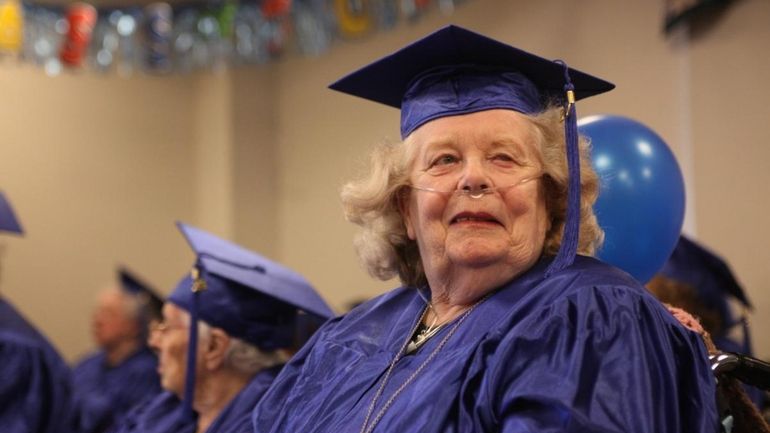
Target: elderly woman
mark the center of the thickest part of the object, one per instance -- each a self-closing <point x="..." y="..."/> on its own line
<point x="696" y="279"/>
<point x="248" y="310"/>
<point x="499" y="326"/>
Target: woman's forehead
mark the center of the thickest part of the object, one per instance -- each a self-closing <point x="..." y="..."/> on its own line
<point x="173" y="312"/>
<point x="492" y="128"/>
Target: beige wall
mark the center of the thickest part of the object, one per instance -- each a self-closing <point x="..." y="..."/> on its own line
<point x="97" y="169"/>
<point x="100" y="167"/>
<point x="731" y="155"/>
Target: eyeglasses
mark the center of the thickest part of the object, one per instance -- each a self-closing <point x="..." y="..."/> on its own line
<point x="161" y="327"/>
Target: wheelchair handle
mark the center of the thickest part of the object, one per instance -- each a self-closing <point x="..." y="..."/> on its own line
<point x="747" y="369"/>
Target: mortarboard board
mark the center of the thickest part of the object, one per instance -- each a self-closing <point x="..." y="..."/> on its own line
<point x="710" y="276"/>
<point x="242" y="292"/>
<point x="454" y="71"/>
<point x="8" y="221"/>
<point x="133" y="285"/>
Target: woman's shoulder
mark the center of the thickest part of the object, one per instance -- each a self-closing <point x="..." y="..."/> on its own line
<point x="386" y="304"/>
<point x="157" y="413"/>
<point x="389" y="301"/>
<point x="588" y="291"/>
<point x="589" y="303"/>
<point x="592" y="271"/>
<point x="372" y="322"/>
<point x="589" y="278"/>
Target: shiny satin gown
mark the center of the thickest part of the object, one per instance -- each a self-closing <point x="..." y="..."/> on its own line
<point x="104" y="394"/>
<point x="35" y="395"/>
<point x="163" y="414"/>
<point x="586" y="350"/>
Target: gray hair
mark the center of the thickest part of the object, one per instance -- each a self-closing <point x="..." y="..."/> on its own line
<point x="243" y="357"/>
<point x="248" y="359"/>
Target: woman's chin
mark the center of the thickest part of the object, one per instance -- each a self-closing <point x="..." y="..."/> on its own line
<point x="483" y="252"/>
<point x="477" y="254"/>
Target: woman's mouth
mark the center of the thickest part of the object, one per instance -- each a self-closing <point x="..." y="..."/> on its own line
<point x="475" y="218"/>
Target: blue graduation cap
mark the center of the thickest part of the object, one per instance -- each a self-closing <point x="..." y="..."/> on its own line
<point x="133" y="285"/>
<point x="245" y="294"/>
<point x="714" y="283"/>
<point x="455" y="71"/>
<point x="695" y="265"/>
<point x="8" y="221"/>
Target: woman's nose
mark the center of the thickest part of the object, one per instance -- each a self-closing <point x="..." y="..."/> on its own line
<point x="474" y="177"/>
<point x="154" y="337"/>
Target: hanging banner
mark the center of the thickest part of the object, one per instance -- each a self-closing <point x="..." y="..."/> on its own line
<point x="11" y="26"/>
<point x="353" y="17"/>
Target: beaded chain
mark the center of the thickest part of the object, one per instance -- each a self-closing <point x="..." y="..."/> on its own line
<point x="367" y="427"/>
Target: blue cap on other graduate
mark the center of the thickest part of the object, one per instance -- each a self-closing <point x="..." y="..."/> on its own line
<point x="8" y="221"/>
<point x="455" y="71"/>
<point x="710" y="276"/>
<point x="246" y="294"/>
<point x="133" y="285"/>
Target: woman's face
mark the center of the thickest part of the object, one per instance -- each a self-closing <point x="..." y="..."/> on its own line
<point x="111" y="323"/>
<point x="488" y="149"/>
<point x="170" y="340"/>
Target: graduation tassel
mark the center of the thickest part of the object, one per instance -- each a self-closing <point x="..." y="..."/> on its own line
<point x="747" y="349"/>
<point x="198" y="285"/>
<point x="569" y="242"/>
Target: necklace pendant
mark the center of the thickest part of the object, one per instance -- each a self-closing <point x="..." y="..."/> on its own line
<point x="410" y="345"/>
<point x="421" y="336"/>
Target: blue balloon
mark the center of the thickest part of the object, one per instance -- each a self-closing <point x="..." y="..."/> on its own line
<point x="642" y="200"/>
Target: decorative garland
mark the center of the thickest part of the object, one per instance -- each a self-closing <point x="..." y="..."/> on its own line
<point x="163" y="38"/>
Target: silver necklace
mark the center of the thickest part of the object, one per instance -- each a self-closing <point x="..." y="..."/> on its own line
<point x="421" y="336"/>
<point x="423" y="333"/>
<point x="367" y="427"/>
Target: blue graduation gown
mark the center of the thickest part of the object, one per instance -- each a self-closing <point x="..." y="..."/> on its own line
<point x="586" y="350"/>
<point x="236" y="417"/>
<point x="163" y="414"/>
<point x="103" y="394"/>
<point x="35" y="382"/>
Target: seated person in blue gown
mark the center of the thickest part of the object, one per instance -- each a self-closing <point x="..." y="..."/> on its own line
<point x="35" y="382"/>
<point x="738" y="414"/>
<point x="249" y="310"/>
<point x="504" y="322"/>
<point x="699" y="281"/>
<point x="111" y="381"/>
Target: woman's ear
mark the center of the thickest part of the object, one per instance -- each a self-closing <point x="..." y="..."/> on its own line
<point x="403" y="200"/>
<point x="216" y="349"/>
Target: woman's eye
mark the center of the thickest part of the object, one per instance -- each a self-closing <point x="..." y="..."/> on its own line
<point x="503" y="157"/>
<point x="444" y="160"/>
